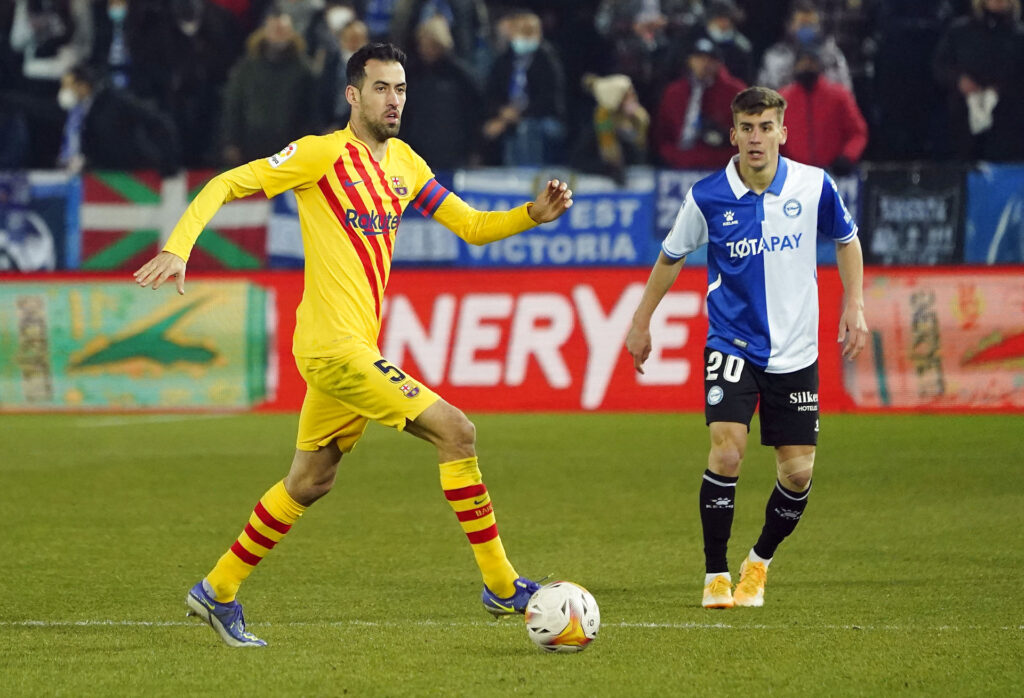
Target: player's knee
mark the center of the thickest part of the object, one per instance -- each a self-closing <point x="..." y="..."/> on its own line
<point x="320" y="485"/>
<point x="797" y="481"/>
<point x="460" y="433"/>
<point x="725" y="459"/>
<point x="313" y="474"/>
<point x="795" y="471"/>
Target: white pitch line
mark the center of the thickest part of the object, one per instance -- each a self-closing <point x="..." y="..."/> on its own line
<point x="91" y="422"/>
<point x="457" y="624"/>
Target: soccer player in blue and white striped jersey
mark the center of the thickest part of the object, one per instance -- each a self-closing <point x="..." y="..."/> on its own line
<point x="760" y="218"/>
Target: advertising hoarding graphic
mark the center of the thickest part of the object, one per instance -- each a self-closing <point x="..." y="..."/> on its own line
<point x="536" y="340"/>
<point x="953" y="340"/>
<point x="96" y="345"/>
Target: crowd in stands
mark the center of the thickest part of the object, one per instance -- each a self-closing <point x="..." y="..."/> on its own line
<point x="597" y="85"/>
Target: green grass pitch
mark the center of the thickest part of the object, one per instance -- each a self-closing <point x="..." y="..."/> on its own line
<point x="904" y="578"/>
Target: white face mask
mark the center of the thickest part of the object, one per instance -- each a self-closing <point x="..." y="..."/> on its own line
<point x="67" y="99"/>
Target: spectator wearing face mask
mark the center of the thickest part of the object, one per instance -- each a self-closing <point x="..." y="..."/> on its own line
<point x="720" y="25"/>
<point x="691" y="130"/>
<point x="525" y="99"/>
<point x="109" y="129"/>
<point x="826" y="128"/>
<point x="803" y="29"/>
<point x="270" y="96"/>
<point x="111" y="52"/>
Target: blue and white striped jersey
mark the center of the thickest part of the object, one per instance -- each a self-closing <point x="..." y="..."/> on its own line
<point x="762" y="259"/>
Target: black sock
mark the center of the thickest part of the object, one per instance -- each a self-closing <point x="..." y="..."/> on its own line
<point x="781" y="516"/>
<point x="717" y="504"/>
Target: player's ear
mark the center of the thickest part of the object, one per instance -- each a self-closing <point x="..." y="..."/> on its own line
<point x="351" y="94"/>
<point x="732" y="135"/>
<point x="785" y="134"/>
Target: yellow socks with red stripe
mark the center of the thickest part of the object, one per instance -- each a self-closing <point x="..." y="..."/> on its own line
<point x="271" y="519"/>
<point x="465" y="491"/>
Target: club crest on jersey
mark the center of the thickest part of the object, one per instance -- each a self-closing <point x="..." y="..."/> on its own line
<point x="278" y="158"/>
<point x="398" y="184"/>
<point x="730" y="219"/>
<point x="410" y="390"/>
<point x="792" y="208"/>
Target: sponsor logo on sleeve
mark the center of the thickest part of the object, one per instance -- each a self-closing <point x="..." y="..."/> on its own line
<point x="278" y="158"/>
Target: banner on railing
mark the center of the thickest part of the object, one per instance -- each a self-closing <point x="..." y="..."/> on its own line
<point x="913" y="215"/>
<point x="110" y="345"/>
<point x="127" y="216"/>
<point x="37" y="210"/>
<point x="995" y="215"/>
<point x="606" y="226"/>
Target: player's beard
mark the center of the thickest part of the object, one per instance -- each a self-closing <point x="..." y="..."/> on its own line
<point x="381" y="130"/>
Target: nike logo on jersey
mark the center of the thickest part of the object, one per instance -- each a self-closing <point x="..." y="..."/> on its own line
<point x="774" y="243"/>
<point x="350" y="183"/>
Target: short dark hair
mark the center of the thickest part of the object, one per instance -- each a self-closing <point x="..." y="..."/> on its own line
<point x="755" y="100"/>
<point x="355" y="72"/>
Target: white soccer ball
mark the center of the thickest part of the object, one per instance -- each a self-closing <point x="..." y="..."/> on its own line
<point x="562" y="617"/>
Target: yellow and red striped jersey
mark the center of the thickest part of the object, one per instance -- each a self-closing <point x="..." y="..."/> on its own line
<point x="350" y="206"/>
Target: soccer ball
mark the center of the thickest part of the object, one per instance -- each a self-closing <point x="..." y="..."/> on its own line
<point x="562" y="617"/>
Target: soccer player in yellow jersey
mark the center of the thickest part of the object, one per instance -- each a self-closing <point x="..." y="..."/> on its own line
<point x="352" y="187"/>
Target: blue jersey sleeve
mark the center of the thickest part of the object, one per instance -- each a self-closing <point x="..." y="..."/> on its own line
<point x="834" y="221"/>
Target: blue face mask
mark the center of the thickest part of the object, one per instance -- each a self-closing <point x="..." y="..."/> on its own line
<point x="807" y="34"/>
<point x="521" y="46"/>
<point x="117" y="13"/>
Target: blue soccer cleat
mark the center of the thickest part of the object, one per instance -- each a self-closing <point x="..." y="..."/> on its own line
<point x="498" y="607"/>
<point x="225" y="618"/>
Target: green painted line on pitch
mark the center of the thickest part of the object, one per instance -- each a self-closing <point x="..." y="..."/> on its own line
<point x="122" y="250"/>
<point x="127" y="186"/>
<point x="226" y="252"/>
<point x="883" y="388"/>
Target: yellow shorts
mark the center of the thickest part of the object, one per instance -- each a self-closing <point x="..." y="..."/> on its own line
<point x="344" y="392"/>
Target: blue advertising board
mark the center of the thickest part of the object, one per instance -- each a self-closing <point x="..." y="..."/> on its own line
<point x="606" y="226"/>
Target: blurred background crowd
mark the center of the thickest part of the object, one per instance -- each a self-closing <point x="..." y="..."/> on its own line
<point x="597" y="85"/>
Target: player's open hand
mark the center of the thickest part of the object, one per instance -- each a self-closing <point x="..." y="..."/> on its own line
<point x="552" y="202"/>
<point x="638" y="344"/>
<point x="160" y="269"/>
<point x="853" y="331"/>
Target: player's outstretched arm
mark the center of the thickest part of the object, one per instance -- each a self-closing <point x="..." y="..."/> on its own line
<point x="161" y="268"/>
<point x="638" y="339"/>
<point x="554" y="200"/>
<point x="853" y="328"/>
